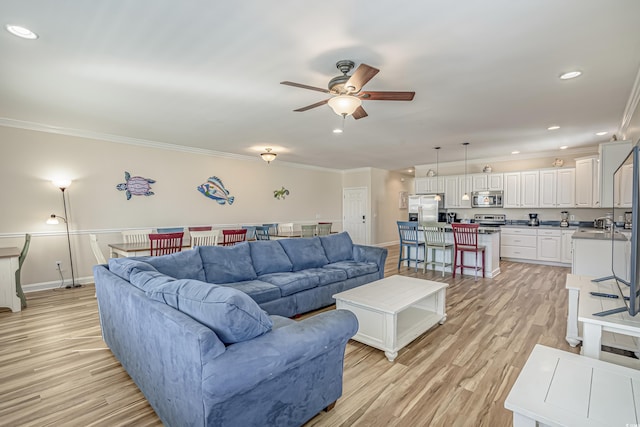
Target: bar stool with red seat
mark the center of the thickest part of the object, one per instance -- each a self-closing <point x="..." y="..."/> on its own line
<point x="465" y="238"/>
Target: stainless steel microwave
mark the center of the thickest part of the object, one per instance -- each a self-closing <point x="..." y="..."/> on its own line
<point x="486" y="199"/>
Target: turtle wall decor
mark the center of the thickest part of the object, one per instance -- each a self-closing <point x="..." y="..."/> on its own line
<point x="136" y="186"/>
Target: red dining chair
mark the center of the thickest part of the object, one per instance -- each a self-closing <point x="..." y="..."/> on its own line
<point x="231" y="237"/>
<point x="165" y="243"/>
<point x="465" y="239"/>
<point x="201" y="228"/>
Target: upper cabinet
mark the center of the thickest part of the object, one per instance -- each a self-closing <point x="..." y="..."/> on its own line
<point x="487" y="182"/>
<point x="624" y="196"/>
<point x="611" y="155"/>
<point x="454" y="187"/>
<point x="557" y="188"/>
<point x="430" y="185"/>
<point x="521" y="189"/>
<point x="587" y="183"/>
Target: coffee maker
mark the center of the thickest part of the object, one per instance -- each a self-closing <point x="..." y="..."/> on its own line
<point x="564" y="219"/>
<point x="451" y="217"/>
<point x="628" y="220"/>
<point x="533" y="220"/>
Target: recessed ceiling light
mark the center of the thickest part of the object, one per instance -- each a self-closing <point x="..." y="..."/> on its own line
<point x="515" y="152"/>
<point x="564" y="147"/>
<point x="601" y="133"/>
<point x="23" y="32"/>
<point x="570" y="75"/>
<point x="554" y="127"/>
<point x="337" y="130"/>
<point x="410" y="170"/>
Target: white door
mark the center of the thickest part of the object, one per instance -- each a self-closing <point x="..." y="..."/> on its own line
<point x="354" y="214"/>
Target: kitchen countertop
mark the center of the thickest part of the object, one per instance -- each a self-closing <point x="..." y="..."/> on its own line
<point x="545" y="226"/>
<point x="597" y="234"/>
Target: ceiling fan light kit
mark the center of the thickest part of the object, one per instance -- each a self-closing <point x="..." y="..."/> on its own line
<point x="346" y="91"/>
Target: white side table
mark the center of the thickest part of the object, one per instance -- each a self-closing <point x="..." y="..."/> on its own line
<point x="557" y="388"/>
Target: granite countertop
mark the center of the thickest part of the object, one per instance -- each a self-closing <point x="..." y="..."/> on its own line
<point x="547" y="226"/>
<point x="597" y="234"/>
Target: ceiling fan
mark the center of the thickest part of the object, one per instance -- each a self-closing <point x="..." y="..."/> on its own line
<point x="347" y="91"/>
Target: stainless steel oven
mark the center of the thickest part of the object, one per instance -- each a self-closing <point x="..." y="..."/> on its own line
<point x="486" y="199"/>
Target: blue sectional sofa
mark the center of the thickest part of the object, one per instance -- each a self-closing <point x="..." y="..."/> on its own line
<point x="202" y="332"/>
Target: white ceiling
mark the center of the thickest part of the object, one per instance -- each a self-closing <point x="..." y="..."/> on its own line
<point x="206" y="74"/>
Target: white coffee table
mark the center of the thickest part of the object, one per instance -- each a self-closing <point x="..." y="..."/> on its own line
<point x="394" y="311"/>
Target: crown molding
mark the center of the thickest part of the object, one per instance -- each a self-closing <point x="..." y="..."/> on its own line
<point x="630" y="108"/>
<point x="81" y="133"/>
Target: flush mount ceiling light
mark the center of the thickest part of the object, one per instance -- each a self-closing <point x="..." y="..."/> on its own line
<point x="564" y="147"/>
<point x="465" y="196"/>
<point x="601" y="133"/>
<point x="570" y="75"/>
<point x="268" y="156"/>
<point x="344" y="105"/>
<point x="22" y="32"/>
<point x="554" y="127"/>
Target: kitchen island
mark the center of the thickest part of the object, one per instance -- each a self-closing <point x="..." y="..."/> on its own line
<point x="489" y="237"/>
<point x="593" y="251"/>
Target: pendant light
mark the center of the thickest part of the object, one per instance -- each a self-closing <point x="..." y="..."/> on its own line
<point x="437" y="197"/>
<point x="465" y="196"/>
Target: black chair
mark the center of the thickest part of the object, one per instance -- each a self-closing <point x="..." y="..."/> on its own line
<point x="409" y="238"/>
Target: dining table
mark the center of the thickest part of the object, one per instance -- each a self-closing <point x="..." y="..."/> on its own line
<point x="126" y="250"/>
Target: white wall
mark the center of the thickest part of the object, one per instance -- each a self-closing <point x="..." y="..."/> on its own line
<point x="31" y="159"/>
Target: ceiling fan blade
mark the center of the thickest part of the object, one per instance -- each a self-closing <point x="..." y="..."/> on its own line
<point x="309" y="107"/>
<point x="300" y="85"/>
<point x="359" y="113"/>
<point x="360" y="77"/>
<point x="387" y="96"/>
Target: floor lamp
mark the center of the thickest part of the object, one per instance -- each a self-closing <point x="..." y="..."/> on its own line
<point x="53" y="219"/>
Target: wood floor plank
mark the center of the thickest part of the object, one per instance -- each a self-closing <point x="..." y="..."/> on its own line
<point x="52" y="371"/>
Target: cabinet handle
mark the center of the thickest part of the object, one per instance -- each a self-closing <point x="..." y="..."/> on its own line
<point x="517" y="241"/>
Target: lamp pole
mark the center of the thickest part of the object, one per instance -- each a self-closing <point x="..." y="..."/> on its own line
<point x="66" y="223"/>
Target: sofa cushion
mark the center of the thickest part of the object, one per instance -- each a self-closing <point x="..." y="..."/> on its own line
<point x="337" y="247"/>
<point x="123" y="267"/>
<point x="230" y="313"/>
<point x="227" y="264"/>
<point x="186" y="264"/>
<point x="304" y="252"/>
<point x="147" y="280"/>
<point x="258" y="290"/>
<point x="269" y="257"/>
<point x="291" y="283"/>
<point x="326" y="276"/>
<point x="354" y="268"/>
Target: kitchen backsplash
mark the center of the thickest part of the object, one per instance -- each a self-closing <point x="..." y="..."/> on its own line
<point x="543" y="214"/>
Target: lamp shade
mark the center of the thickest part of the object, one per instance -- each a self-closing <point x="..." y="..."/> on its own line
<point x="268" y="156"/>
<point x="344" y="105"/>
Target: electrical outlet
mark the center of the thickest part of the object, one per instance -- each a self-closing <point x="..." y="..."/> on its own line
<point x="573" y="217"/>
<point x="58" y="265"/>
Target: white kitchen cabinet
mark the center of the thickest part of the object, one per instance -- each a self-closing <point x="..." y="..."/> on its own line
<point x="611" y="155"/>
<point x="430" y="185"/>
<point x="549" y="245"/>
<point x="567" y="246"/>
<point x="557" y="188"/>
<point x="452" y="194"/>
<point x="465" y="187"/>
<point x="454" y="187"/>
<point x="511" y="197"/>
<point x="520" y="243"/>
<point x="624" y="196"/>
<point x="586" y="182"/>
<point x="529" y="189"/>
<point x="487" y="182"/>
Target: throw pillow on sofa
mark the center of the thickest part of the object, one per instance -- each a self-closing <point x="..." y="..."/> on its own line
<point x="230" y="313"/>
<point x="227" y="264"/>
<point x="306" y="252"/>
<point x="181" y="265"/>
<point x="269" y="257"/>
<point x="123" y="267"/>
<point x="338" y="247"/>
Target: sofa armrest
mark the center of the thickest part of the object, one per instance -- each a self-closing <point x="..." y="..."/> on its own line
<point x="245" y="365"/>
<point x="378" y="256"/>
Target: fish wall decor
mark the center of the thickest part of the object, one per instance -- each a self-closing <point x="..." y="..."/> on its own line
<point x="214" y="189"/>
<point x="136" y="186"/>
<point x="281" y="193"/>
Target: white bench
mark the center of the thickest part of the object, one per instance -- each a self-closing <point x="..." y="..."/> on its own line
<point x="557" y="388"/>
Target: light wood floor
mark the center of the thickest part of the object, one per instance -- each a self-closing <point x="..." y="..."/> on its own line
<point x="53" y="371"/>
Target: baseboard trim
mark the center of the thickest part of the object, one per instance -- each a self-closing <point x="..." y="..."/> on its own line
<point x="44" y="286"/>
